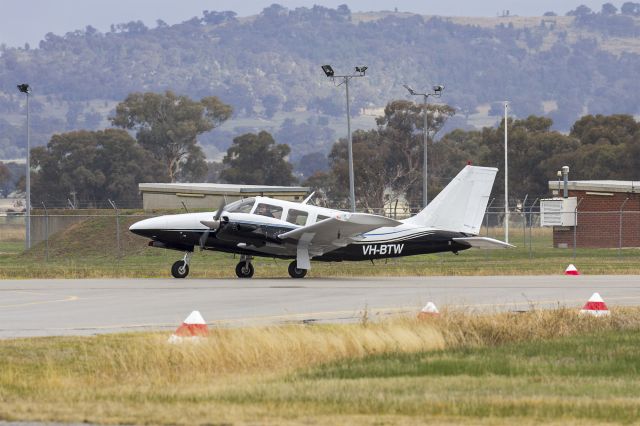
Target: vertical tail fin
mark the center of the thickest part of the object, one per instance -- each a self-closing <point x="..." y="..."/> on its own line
<point x="461" y="205"/>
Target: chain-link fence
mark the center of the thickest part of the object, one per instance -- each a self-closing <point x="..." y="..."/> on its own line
<point x="78" y="234"/>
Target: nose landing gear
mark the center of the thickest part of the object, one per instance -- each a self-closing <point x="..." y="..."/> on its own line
<point x="180" y="269"/>
<point x="244" y="268"/>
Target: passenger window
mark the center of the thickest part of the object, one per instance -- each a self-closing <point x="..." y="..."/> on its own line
<point x="297" y="217"/>
<point x="321" y="217"/>
<point x="269" y="211"/>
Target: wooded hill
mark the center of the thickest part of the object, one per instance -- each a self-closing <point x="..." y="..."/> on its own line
<point x="268" y="66"/>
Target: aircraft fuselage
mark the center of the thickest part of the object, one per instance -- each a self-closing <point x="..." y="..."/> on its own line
<point x="250" y="237"/>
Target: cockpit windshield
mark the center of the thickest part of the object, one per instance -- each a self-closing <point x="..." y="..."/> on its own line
<point x="241" y="206"/>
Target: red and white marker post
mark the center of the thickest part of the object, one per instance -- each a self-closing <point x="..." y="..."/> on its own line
<point x="429" y="311"/>
<point x="595" y="306"/>
<point x="193" y="328"/>
<point x="571" y="270"/>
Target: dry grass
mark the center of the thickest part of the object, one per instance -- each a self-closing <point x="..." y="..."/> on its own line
<point x="284" y="348"/>
<point x="402" y="370"/>
<point x="258" y="349"/>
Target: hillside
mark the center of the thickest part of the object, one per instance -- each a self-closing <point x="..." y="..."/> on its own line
<point x="268" y="68"/>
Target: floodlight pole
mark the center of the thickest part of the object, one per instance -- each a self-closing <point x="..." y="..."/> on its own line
<point x="425" y="136"/>
<point x="506" y="176"/>
<point x="24" y="88"/>
<point x="360" y="72"/>
<point x="352" y="189"/>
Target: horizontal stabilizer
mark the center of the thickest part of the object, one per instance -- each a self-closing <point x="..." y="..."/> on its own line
<point x="483" y="242"/>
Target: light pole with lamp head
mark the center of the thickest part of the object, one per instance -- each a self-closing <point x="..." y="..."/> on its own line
<point x="506" y="175"/>
<point x="24" y="88"/>
<point x="359" y="72"/>
<point x="437" y="92"/>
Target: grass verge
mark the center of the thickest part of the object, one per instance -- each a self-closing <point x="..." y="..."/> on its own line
<point x="88" y="249"/>
<point x="541" y="366"/>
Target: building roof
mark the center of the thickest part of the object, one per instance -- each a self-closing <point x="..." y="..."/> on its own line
<point x="218" y="188"/>
<point x="598" y="185"/>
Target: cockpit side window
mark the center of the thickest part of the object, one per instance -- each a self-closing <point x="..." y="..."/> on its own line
<point x="297" y="217"/>
<point x="321" y="217"/>
<point x="268" y="210"/>
<point x="241" y="206"/>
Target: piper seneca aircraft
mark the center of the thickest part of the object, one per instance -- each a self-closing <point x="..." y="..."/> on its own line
<point x="268" y="227"/>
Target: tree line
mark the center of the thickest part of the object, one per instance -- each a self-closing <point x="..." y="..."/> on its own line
<point x="154" y="138"/>
<point x="388" y="160"/>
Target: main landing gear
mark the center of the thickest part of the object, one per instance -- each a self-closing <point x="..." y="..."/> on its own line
<point x="294" y="272"/>
<point x="180" y="269"/>
<point x="244" y="268"/>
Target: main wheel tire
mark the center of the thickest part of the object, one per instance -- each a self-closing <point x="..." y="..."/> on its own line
<point x="294" y="272"/>
<point x="244" y="270"/>
<point x="180" y="269"/>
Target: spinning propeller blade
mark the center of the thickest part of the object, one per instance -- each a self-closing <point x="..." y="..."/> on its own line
<point x="211" y="224"/>
<point x="220" y="210"/>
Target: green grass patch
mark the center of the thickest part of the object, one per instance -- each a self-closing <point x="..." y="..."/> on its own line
<point x="592" y="377"/>
<point x="89" y="249"/>
<point x="614" y="353"/>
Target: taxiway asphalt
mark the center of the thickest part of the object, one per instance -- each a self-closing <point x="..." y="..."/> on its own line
<point x="88" y="306"/>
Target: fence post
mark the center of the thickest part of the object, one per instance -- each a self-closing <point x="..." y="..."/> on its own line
<point x="575" y="226"/>
<point x="46" y="233"/>
<point x="620" y="231"/>
<point x="524" y="221"/>
<point x="117" y="229"/>
<point x="486" y="216"/>
<point x="486" y="225"/>
<point x="531" y="226"/>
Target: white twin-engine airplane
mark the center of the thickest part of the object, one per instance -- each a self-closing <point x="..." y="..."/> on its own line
<point x="267" y="227"/>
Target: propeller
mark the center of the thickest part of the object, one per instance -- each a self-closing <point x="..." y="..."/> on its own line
<point x="213" y="225"/>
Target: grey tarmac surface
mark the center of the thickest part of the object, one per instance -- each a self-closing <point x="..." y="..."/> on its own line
<point x="86" y="307"/>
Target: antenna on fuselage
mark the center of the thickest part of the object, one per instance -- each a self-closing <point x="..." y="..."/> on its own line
<point x="306" y="200"/>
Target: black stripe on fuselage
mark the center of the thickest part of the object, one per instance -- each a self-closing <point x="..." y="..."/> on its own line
<point x="421" y="242"/>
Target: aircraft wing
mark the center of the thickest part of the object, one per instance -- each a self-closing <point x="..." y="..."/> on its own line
<point x="483" y="242"/>
<point x="332" y="233"/>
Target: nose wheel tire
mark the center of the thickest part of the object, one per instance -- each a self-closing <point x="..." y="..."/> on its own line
<point x="180" y="269"/>
<point x="244" y="270"/>
<point x="294" y="272"/>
